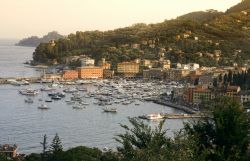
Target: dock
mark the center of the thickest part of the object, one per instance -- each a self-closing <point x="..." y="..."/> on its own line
<point x="178" y="116"/>
<point x="183" y="116"/>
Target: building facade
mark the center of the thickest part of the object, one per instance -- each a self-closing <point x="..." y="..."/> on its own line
<point x="70" y="74"/>
<point x="128" y="69"/>
<point x="90" y="72"/>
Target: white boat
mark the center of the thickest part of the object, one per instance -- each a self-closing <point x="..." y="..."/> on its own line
<point x="48" y="100"/>
<point x="47" y="89"/>
<point x="84" y="103"/>
<point x="29" y="92"/>
<point x="29" y="100"/>
<point x="154" y="116"/>
<point x="78" y="107"/>
<point x="43" y="107"/>
<point x="70" y="102"/>
<point x="113" y="110"/>
<point x="70" y="90"/>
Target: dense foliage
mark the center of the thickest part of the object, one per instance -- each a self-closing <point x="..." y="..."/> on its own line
<point x="243" y="5"/>
<point x="34" y="41"/>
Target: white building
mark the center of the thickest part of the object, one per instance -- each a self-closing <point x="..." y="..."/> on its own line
<point x="190" y="66"/>
<point x="86" y="61"/>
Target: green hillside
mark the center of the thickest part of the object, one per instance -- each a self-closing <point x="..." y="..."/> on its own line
<point x="201" y="16"/>
<point x="243" y="5"/>
<point x="182" y="39"/>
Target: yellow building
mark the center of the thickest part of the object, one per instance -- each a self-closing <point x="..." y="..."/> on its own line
<point x="128" y="69"/>
<point x="90" y="72"/>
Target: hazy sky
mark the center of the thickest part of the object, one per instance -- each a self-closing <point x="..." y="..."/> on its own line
<point x="22" y="18"/>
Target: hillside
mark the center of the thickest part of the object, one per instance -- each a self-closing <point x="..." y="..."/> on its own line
<point x="201" y="16"/>
<point x="213" y="40"/>
<point x="34" y="41"/>
<point x="243" y="5"/>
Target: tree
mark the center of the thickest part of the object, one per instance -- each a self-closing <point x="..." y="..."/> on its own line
<point x="226" y="135"/>
<point x="142" y="143"/>
<point x="44" y="144"/>
<point x="56" y="145"/>
<point x="3" y="158"/>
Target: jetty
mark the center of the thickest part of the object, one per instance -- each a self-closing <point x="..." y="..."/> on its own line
<point x="178" y="116"/>
<point x="176" y="106"/>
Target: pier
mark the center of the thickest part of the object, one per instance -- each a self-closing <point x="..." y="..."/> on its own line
<point x="176" y="116"/>
<point x="183" y="116"/>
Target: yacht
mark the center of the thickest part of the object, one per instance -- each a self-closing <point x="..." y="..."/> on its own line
<point x="29" y="92"/>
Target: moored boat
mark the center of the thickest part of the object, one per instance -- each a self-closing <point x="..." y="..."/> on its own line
<point x="43" y="107"/>
<point x="107" y="109"/>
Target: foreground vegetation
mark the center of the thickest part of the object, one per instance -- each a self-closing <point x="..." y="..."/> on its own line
<point x="225" y="136"/>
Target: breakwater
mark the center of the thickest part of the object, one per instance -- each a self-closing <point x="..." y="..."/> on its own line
<point x="176" y="106"/>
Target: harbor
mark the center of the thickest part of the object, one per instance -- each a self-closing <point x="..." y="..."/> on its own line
<point x="90" y="126"/>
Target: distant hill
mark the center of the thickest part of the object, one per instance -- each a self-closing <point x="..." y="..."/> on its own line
<point x="34" y="41"/>
<point x="201" y="16"/>
<point x="243" y="5"/>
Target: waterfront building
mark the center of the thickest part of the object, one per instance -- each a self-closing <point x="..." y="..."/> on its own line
<point x="70" y="74"/>
<point x="10" y="151"/>
<point x="165" y="64"/>
<point x="154" y="73"/>
<point x="108" y="73"/>
<point x="146" y="63"/>
<point x="128" y="69"/>
<point x="200" y="94"/>
<point x="190" y="66"/>
<point x="177" y="74"/>
<point x="90" y="72"/>
<point x="104" y="64"/>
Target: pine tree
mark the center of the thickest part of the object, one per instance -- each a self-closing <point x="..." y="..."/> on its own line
<point x="56" y="145"/>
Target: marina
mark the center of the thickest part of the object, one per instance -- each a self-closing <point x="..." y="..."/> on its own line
<point x="25" y="124"/>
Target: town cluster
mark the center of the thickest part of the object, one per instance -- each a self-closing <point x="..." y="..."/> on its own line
<point x="199" y="83"/>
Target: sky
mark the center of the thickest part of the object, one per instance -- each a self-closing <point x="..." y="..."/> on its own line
<point x="24" y="18"/>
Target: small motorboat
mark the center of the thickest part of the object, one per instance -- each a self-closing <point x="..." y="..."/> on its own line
<point x="48" y="100"/>
<point x="29" y="100"/>
<point x="43" y="107"/>
<point x="78" y="107"/>
<point x="56" y="97"/>
<point x="113" y="110"/>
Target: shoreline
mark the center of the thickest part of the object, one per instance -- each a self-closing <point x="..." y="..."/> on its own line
<point x="178" y="107"/>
